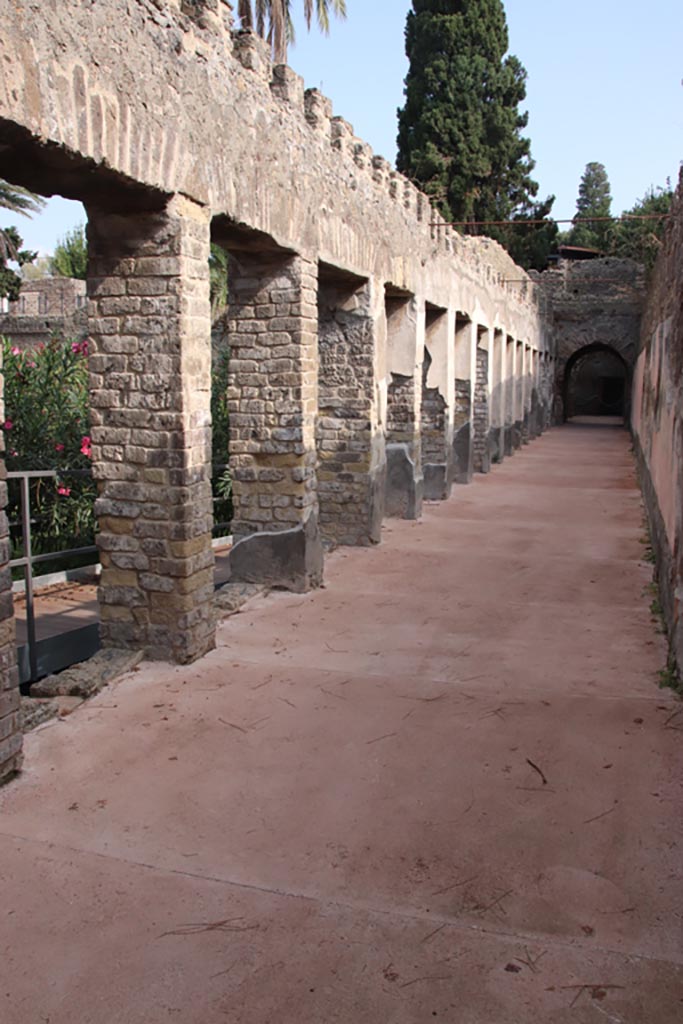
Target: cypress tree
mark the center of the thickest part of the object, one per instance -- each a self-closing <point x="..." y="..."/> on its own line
<point x="595" y="200"/>
<point x="460" y="130"/>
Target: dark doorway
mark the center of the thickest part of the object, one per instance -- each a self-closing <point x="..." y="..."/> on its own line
<point x="596" y="383"/>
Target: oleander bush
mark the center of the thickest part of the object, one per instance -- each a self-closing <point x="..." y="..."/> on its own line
<point x="46" y="427"/>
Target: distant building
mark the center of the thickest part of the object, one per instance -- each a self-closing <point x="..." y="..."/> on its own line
<point x="46" y="306"/>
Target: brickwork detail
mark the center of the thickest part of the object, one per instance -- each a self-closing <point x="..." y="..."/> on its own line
<point x="481" y="413"/>
<point x="401" y="423"/>
<point x="272" y="326"/>
<point x="434" y="419"/>
<point x="463" y="403"/>
<point x="151" y="427"/>
<point x="344" y="436"/>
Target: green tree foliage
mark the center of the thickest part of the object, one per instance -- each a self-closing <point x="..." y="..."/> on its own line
<point x="16" y="200"/>
<point x="272" y="19"/>
<point x="638" y="237"/>
<point x="218" y="279"/>
<point x="71" y="255"/>
<point x="10" y="281"/>
<point x="46" y="427"/>
<point x="595" y="200"/>
<point x="460" y="130"/>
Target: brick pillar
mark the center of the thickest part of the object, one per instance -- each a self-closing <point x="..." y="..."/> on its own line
<point x="273" y="327"/>
<point x="150" y="380"/>
<point x="527" y="356"/>
<point x="497" y="374"/>
<point x="351" y="452"/>
<point x="10" y="725"/>
<point x="518" y="391"/>
<point x="436" y="426"/>
<point x="536" y="424"/>
<point x="463" y="414"/>
<point x="511" y="371"/>
<point x="405" y="322"/>
<point x="482" y="408"/>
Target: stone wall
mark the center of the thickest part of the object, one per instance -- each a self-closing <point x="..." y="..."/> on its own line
<point x="657" y="421"/>
<point x="592" y="305"/>
<point x="47" y="307"/>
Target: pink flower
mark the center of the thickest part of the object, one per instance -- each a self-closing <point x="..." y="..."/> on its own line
<point x="86" y="448"/>
<point x="64" y="491"/>
<point x="7" y="425"/>
<point x="59" y="447"/>
<point x="16" y="351"/>
<point x="14" y="454"/>
<point x="80" y="347"/>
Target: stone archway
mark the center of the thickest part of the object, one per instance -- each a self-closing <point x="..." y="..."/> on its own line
<point x="596" y="382"/>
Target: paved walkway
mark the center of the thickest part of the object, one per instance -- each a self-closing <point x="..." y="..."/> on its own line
<point x="444" y="787"/>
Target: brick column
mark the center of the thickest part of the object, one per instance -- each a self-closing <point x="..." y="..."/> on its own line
<point x="534" y="407"/>
<point x="405" y="346"/>
<point x="526" y="398"/>
<point x="482" y="409"/>
<point x="273" y="327"/>
<point x="10" y="725"/>
<point x="463" y="416"/>
<point x="436" y="427"/>
<point x="351" y="454"/>
<point x="150" y="380"/>
<point x="510" y="394"/>
<point x="497" y="375"/>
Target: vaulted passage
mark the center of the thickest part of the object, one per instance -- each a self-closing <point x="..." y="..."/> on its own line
<point x="380" y="784"/>
<point x="596" y="382"/>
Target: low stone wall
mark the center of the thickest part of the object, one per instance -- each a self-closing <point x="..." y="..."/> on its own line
<point x="657" y="422"/>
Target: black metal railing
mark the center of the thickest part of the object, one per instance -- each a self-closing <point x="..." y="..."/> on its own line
<point x="33" y="660"/>
<point x="27" y="561"/>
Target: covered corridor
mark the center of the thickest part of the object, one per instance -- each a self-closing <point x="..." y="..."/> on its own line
<point x="445" y="786"/>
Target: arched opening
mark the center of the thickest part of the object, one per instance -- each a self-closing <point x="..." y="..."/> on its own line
<point x="596" y="384"/>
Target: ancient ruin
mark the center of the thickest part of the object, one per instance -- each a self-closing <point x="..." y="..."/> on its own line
<point x="378" y="358"/>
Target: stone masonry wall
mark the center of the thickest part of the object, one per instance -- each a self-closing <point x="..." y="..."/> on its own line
<point x="592" y="303"/>
<point x="657" y="422"/>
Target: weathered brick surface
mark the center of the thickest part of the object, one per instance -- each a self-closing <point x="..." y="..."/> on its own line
<point x="481" y="413"/>
<point x="151" y="427"/>
<point x="346" y="437"/>
<point x="272" y="393"/>
<point x="434" y="419"/>
<point x="10" y="727"/>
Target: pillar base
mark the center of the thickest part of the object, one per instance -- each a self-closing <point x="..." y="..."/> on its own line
<point x="509" y="441"/>
<point x="287" y="559"/>
<point x="496" y="445"/>
<point x="404" y="488"/>
<point x="463" y="455"/>
<point x="438" y="480"/>
<point x="517" y="434"/>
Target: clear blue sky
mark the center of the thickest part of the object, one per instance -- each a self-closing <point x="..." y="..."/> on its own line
<point x="605" y="84"/>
